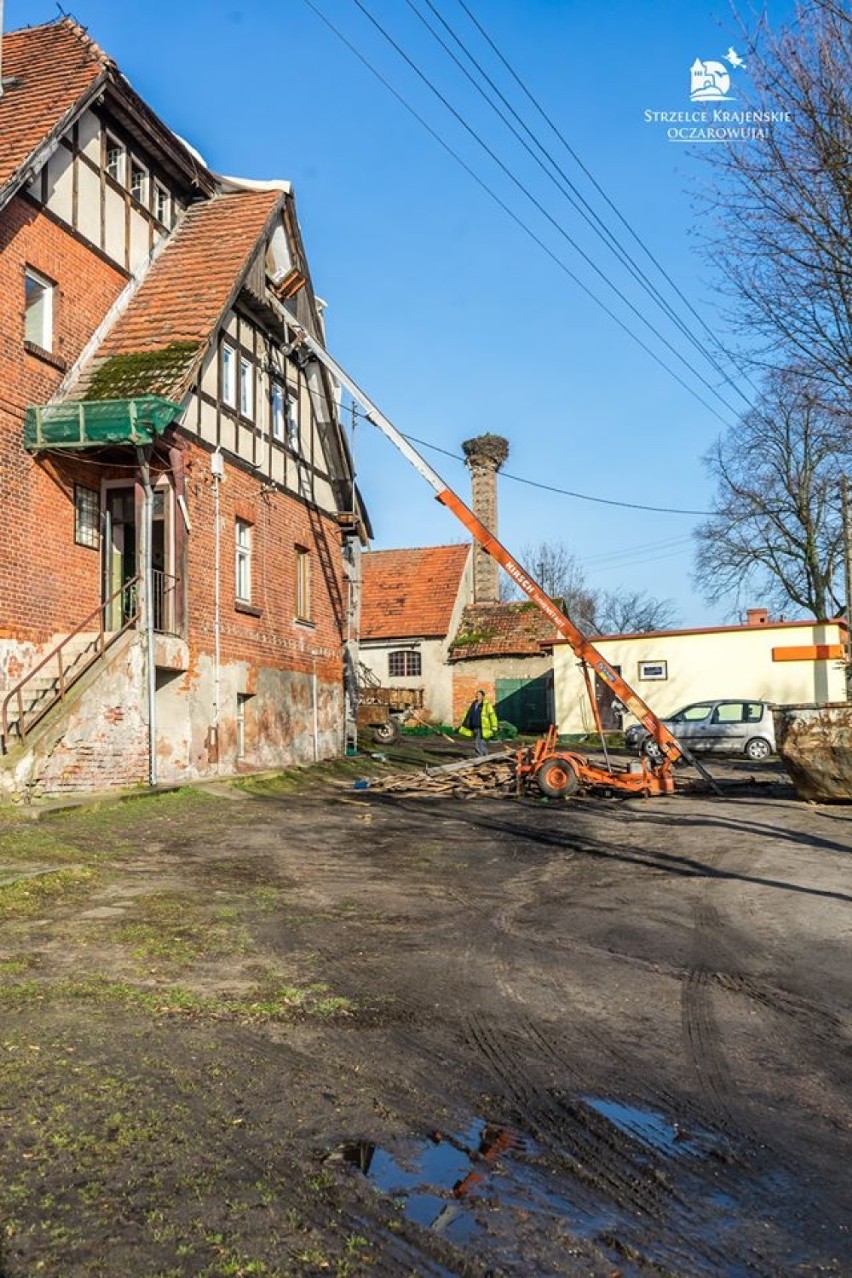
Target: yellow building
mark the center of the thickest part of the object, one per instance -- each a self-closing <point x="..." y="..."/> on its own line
<point x="783" y="662"/>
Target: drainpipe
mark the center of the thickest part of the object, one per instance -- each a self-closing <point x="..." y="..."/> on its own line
<point x="217" y="471"/>
<point x="316" y="709"/>
<point x="148" y="612"/>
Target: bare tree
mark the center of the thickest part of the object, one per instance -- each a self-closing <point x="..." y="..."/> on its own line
<point x="559" y="573"/>
<point x="782" y="234"/>
<point x="775" y="534"/>
<point x="557" y="569"/>
<point x="627" y="612"/>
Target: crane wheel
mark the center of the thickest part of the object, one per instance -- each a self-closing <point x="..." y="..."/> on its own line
<point x="557" y="779"/>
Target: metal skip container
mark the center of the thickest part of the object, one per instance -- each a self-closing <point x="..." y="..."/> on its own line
<point x="815" y="745"/>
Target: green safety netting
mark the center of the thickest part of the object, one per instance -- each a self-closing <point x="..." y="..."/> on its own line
<point x="94" y="423"/>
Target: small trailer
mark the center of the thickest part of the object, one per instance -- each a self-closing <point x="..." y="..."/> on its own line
<point x="382" y="710"/>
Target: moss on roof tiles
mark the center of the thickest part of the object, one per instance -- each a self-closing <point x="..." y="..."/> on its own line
<point x="142" y="372"/>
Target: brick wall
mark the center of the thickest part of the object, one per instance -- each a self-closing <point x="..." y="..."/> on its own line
<point x="47" y="583"/>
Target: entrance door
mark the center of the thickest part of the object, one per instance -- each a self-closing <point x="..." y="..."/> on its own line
<point x="119" y="554"/>
<point x="609" y="708"/>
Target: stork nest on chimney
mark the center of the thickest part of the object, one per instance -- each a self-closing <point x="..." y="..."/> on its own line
<point x="486" y="450"/>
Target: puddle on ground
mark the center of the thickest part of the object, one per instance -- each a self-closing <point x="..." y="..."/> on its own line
<point x="472" y="1183"/>
<point x="491" y="1186"/>
<point x="653" y="1128"/>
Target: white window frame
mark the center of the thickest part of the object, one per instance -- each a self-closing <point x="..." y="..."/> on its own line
<point x="246" y="388"/>
<point x="242" y="560"/>
<point x="136" y="166"/>
<point x="44" y="338"/>
<point x="113" y="144"/>
<point x="653" y="670"/>
<point x="278" y="411"/>
<point x="228" y="362"/>
<point x="161" y="203"/>
<point x="294" y="434"/>
<point x="303" y="583"/>
<point x="406" y="658"/>
<point x="242" y="701"/>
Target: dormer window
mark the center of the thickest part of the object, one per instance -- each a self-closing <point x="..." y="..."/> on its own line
<point x="138" y="181"/>
<point x="162" y="204"/>
<point x="116" y="159"/>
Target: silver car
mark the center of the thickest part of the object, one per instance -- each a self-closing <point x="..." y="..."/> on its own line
<point x="732" y="727"/>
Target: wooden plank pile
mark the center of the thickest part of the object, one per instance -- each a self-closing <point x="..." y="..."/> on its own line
<point x="491" y="776"/>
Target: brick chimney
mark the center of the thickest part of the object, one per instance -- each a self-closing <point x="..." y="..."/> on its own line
<point x="484" y="456"/>
<point x="757" y="616"/>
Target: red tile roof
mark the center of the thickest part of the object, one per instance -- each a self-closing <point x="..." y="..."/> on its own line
<point x="54" y="66"/>
<point x="408" y="594"/>
<point x="502" y="630"/>
<point x="180" y="301"/>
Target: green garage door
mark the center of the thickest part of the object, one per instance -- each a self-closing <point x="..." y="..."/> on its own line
<point x="525" y="702"/>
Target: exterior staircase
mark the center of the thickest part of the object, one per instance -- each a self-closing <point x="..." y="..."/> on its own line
<point x="33" y="697"/>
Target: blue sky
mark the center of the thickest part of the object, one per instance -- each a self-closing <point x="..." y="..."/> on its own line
<point x="439" y="305"/>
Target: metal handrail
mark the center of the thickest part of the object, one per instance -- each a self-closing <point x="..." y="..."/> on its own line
<point x="103" y="641"/>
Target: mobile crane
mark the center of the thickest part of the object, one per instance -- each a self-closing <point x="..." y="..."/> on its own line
<point x="557" y="772"/>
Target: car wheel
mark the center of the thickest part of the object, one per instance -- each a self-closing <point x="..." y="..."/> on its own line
<point x="386" y="733"/>
<point x="557" y="779"/>
<point x="758" y="748"/>
<point x="651" y="751"/>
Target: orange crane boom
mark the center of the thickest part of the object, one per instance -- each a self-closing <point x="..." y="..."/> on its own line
<point x="654" y="778"/>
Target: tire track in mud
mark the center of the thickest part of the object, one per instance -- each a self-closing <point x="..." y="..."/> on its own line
<point x="701" y="1036"/>
<point x="605" y="1162"/>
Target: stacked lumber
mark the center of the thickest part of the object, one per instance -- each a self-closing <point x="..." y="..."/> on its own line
<point x="490" y="777"/>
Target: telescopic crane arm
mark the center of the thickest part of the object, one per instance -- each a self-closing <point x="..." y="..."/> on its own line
<point x="585" y="650"/>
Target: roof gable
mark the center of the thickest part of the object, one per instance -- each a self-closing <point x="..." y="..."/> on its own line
<point x="53" y="69"/>
<point x="408" y="594"/>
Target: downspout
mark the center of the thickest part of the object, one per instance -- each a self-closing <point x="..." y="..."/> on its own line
<point x="316" y="709"/>
<point x="216" y="470"/>
<point x="148" y="611"/>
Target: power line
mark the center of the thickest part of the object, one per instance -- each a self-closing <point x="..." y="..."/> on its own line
<point x="565" y="492"/>
<point x="576" y="158"/>
<point x="568" y="189"/>
<point x="528" y="231"/>
<point x="534" y="483"/>
<point x="504" y="168"/>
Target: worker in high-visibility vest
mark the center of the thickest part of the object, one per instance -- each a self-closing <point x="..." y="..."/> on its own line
<point x="480" y="722"/>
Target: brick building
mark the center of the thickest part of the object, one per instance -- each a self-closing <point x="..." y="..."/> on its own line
<point x="411" y="605"/>
<point x="182" y="532"/>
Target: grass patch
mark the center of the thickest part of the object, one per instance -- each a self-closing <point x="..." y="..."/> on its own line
<point x="174" y="930"/>
<point x="266" y="1002"/>
<point x="28" y="896"/>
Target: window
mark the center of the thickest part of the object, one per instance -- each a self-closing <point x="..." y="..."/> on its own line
<point x="38" y="310"/>
<point x="243" y="561"/>
<point x="692" y="714"/>
<point x="729" y="712"/>
<point x="653" y="670"/>
<point x="303" y="584"/>
<point x="278" y="411"/>
<point x="246" y="387"/>
<point x="162" y="203"/>
<point x="116" y="159"/>
<point x="242" y="702"/>
<point x="754" y="711"/>
<point x="229" y="375"/>
<point x="139" y="181"/>
<point x="404" y="664"/>
<point x="293" y="418"/>
<point x="87" y="517"/>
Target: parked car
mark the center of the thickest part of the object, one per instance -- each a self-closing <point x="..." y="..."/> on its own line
<point x="732" y="727"/>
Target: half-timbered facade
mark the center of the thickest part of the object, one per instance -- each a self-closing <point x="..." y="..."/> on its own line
<point x="178" y="557"/>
